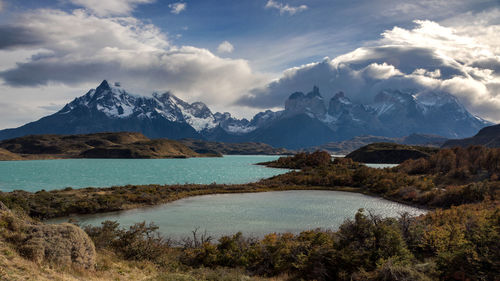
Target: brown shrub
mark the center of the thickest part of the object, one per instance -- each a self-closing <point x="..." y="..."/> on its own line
<point x="63" y="244"/>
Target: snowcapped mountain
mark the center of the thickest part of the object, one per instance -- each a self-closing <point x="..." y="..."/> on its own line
<point x="116" y="103"/>
<point x="307" y="119"/>
<point x="391" y="113"/>
<point x="111" y="108"/>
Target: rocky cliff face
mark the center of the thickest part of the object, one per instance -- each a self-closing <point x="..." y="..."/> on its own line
<point x="311" y="104"/>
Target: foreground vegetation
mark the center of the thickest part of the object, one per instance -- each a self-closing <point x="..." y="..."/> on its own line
<point x="459" y="239"/>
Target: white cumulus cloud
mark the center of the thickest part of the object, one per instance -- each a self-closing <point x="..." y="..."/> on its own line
<point x="110" y="7"/>
<point x="177" y="8"/>
<point x="285" y="8"/>
<point x="225" y="47"/>
<point x="430" y="56"/>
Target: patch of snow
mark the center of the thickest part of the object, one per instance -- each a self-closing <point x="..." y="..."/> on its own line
<point x="328" y="119"/>
<point x="381" y="108"/>
<point x="310" y="114"/>
<point x="167" y="115"/>
<point x="240" y="129"/>
<point x="200" y="124"/>
<point x="127" y="110"/>
<point x="344" y="100"/>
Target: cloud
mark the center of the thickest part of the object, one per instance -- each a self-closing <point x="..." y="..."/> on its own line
<point x="2" y="5"/>
<point x="22" y="105"/>
<point x="177" y="8"/>
<point x="225" y="47"/>
<point x="15" y="36"/>
<point x="427" y="57"/>
<point x="110" y="7"/>
<point x="291" y="10"/>
<point x="79" y="48"/>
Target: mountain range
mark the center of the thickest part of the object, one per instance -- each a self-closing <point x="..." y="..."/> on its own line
<point x="307" y="119"/>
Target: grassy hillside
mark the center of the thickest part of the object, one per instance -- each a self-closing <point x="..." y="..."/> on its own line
<point x="7" y="155"/>
<point x="247" y="148"/>
<point x="100" y="145"/>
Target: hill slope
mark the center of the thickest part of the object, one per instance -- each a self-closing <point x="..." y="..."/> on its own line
<point x="347" y="146"/>
<point x="390" y="153"/>
<point x="488" y="136"/>
<point x="100" y="145"/>
<point x="247" y="148"/>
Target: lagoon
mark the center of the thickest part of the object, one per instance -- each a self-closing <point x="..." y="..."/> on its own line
<point x="254" y="214"/>
<point x="34" y="175"/>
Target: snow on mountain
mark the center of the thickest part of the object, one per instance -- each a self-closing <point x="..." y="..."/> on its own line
<point x="233" y="125"/>
<point x="112" y="101"/>
<point x="117" y="103"/>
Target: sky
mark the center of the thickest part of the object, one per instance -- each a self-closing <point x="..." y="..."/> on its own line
<point x="248" y="55"/>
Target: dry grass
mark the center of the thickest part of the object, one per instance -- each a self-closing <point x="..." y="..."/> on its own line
<point x="13" y="267"/>
<point x="7" y="155"/>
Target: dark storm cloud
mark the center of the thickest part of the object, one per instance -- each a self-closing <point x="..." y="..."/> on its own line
<point x="489" y="63"/>
<point x="15" y="36"/>
<point x="36" y="73"/>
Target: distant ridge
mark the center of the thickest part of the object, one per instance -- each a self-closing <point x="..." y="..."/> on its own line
<point x="488" y="136"/>
<point x="347" y="146"/>
<point x="390" y="153"/>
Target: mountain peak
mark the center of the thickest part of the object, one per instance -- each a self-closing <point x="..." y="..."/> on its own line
<point x="311" y="104"/>
<point x="103" y="86"/>
<point x="296" y="95"/>
<point x="314" y="93"/>
<point x="162" y="96"/>
<point x="339" y="104"/>
<point x="339" y="95"/>
<point x="394" y="96"/>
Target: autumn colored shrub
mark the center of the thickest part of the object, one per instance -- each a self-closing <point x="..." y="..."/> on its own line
<point x="139" y="242"/>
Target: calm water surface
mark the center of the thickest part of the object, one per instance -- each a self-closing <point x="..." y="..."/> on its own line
<point x="380" y="166"/>
<point x="77" y="173"/>
<point x="254" y="214"/>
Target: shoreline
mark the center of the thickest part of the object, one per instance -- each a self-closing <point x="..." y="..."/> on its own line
<point x="34" y="157"/>
<point x="201" y="190"/>
<point x="263" y="190"/>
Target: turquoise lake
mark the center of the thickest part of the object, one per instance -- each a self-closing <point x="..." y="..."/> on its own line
<point x="78" y="173"/>
<point x="254" y="214"/>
